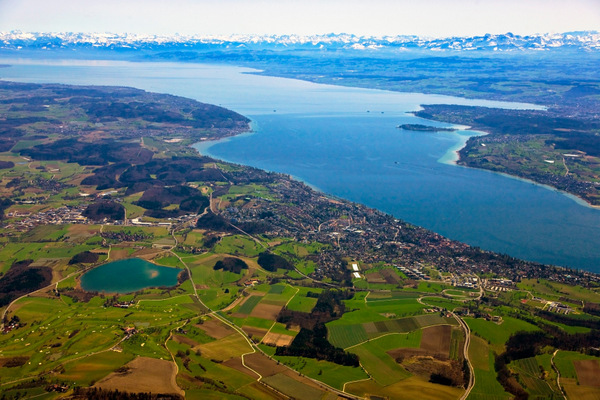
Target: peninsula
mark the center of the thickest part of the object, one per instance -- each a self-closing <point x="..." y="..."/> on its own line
<point x="424" y="128"/>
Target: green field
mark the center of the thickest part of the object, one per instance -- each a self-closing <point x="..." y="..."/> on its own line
<point x="564" y="362"/>
<point x="291" y="387"/>
<point x="346" y="335"/>
<point x="498" y="334"/>
<point x="332" y="374"/>
<point x="486" y="384"/>
<point x="380" y="365"/>
<point x="249" y="305"/>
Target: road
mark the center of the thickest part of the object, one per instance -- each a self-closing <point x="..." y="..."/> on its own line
<point x="467" y="332"/>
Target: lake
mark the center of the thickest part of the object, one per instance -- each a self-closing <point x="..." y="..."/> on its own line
<point x="344" y="141"/>
<point x="130" y="275"/>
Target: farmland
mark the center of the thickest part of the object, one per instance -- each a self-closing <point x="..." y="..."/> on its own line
<point x="221" y="330"/>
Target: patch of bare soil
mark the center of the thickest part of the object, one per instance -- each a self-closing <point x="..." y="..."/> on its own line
<point x="143" y="375"/>
<point x="216" y="329"/>
<point x="374" y="277"/>
<point x="447" y="372"/>
<point x="185" y="340"/>
<point x="277" y="339"/>
<point x="390" y="276"/>
<point x="236" y="363"/>
<point x="436" y="341"/>
<point x="256" y="333"/>
<point x="588" y="372"/>
<point x="266" y="311"/>
<point x="263" y="365"/>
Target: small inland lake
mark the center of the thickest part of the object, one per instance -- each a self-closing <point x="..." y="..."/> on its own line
<point x="130" y="275"/>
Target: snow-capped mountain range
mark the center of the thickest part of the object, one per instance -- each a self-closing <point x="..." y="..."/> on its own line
<point x="16" y="40"/>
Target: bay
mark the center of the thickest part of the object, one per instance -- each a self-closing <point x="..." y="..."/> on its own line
<point x="344" y="142"/>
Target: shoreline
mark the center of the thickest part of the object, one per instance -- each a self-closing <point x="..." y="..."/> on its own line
<point x="452" y="157"/>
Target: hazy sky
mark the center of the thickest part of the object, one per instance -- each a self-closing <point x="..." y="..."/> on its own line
<point x="436" y="18"/>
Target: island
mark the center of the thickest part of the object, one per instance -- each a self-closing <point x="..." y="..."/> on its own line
<point x="424" y="128"/>
<point x="281" y="291"/>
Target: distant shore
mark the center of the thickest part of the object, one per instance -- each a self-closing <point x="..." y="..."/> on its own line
<point x="424" y="128"/>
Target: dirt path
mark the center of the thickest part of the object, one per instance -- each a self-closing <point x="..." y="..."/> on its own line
<point x="466" y="355"/>
<point x="562" y="391"/>
<point x="566" y="168"/>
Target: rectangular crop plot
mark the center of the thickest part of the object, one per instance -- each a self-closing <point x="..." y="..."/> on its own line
<point x="277" y="289"/>
<point x="436" y="340"/>
<point x="537" y="387"/>
<point x="266" y="311"/>
<point x="292" y="387"/>
<point x="529" y="366"/>
<point x="347" y="335"/>
<point x="249" y="305"/>
<point x="433" y="319"/>
<point x="403" y="324"/>
<point x="588" y="372"/>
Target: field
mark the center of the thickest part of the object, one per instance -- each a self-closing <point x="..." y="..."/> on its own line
<point x="247" y="307"/>
<point x="288" y="385"/>
<point x="497" y="334"/>
<point x="564" y="362"/>
<point x="407" y="389"/>
<point x="436" y="340"/>
<point x="530" y="377"/>
<point x="215" y="328"/>
<point x="349" y="335"/>
<point x="588" y="372"/>
<point x="143" y="375"/>
<point x="486" y="385"/>
<point x="330" y="373"/>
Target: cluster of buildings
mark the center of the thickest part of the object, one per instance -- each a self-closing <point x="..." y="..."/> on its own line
<point x="499" y="285"/>
<point x="25" y="221"/>
<point x="467" y="281"/>
<point x="414" y="273"/>
<point x="558" y="308"/>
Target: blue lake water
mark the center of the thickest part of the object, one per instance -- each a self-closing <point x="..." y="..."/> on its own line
<point x="130" y="275"/>
<point x="344" y="141"/>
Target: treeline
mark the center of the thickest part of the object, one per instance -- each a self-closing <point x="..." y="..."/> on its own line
<point x="231" y="264"/>
<point x="100" y="152"/>
<point x="105" y="394"/>
<point x="592" y="309"/>
<point x="590" y="322"/>
<point x="215" y="222"/>
<point x="85" y="257"/>
<point x="529" y="344"/>
<point x="314" y="344"/>
<point x="271" y="262"/>
<point x="104" y="209"/>
<point x="312" y="341"/>
<point x="4" y="204"/>
<point x="21" y="279"/>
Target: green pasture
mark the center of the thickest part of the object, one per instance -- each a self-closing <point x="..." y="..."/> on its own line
<point x="330" y="373"/>
<point x="486" y="384"/>
<point x="380" y="365"/>
<point x="249" y="305"/>
<point x="238" y="245"/>
<point x="498" y="334"/>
